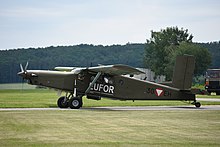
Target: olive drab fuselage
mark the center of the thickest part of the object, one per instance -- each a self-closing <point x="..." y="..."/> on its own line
<point x="116" y="87"/>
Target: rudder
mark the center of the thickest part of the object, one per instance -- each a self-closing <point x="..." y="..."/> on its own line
<point x="183" y="72"/>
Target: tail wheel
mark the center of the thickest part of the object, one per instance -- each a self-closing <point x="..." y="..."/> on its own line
<point x="197" y="104"/>
<point x="62" y="102"/>
<point x="75" y="102"/>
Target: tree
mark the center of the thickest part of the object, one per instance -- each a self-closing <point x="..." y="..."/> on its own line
<point x="161" y="45"/>
<point x="201" y="54"/>
<point x="214" y="49"/>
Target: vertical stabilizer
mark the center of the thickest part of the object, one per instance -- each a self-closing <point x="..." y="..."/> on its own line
<point x="183" y="72"/>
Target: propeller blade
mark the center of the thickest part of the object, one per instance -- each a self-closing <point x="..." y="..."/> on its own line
<point x="26" y="66"/>
<point x="22" y="69"/>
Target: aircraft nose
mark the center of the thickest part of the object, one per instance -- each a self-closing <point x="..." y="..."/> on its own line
<point x="22" y="74"/>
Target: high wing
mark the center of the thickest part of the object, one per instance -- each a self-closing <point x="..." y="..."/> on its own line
<point x="65" y="68"/>
<point x="118" y="69"/>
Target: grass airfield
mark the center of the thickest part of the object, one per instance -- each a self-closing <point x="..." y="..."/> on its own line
<point x="103" y="128"/>
<point x="110" y="128"/>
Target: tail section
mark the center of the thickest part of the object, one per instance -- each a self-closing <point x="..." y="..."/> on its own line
<point x="183" y="72"/>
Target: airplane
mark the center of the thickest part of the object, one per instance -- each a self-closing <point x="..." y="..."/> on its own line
<point x="109" y="81"/>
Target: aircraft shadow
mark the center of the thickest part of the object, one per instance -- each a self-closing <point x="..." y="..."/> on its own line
<point x="184" y="107"/>
<point x="97" y="109"/>
<point x="147" y="108"/>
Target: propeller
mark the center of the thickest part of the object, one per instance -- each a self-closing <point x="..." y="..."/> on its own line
<point x="23" y="73"/>
<point x="23" y="70"/>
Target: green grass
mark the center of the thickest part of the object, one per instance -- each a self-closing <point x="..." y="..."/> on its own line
<point x="91" y="127"/>
<point x="208" y="96"/>
<point x="27" y="98"/>
<point x="17" y="86"/>
<point x="110" y="128"/>
<point x="44" y="98"/>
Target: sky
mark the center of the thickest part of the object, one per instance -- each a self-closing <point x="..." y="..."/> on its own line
<point x="42" y="23"/>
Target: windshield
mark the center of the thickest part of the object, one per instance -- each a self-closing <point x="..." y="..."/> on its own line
<point x="213" y="74"/>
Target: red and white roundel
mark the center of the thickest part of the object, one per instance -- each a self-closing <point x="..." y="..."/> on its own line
<point x="159" y="92"/>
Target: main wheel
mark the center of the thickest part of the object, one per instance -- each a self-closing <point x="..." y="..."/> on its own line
<point x="62" y="102"/>
<point x="75" y="102"/>
<point x="197" y="104"/>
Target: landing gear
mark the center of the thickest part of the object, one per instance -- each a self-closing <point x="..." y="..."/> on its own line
<point x="62" y="102"/>
<point x="197" y="104"/>
<point x="70" y="101"/>
<point x="75" y="102"/>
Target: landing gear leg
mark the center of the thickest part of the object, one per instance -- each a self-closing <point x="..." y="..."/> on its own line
<point x="75" y="102"/>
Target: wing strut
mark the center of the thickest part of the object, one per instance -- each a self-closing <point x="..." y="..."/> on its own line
<point x="93" y="82"/>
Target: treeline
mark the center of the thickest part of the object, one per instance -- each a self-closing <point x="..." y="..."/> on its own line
<point x="80" y="55"/>
<point x="214" y="48"/>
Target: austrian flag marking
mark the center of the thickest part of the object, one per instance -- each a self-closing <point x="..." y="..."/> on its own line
<point x="159" y="92"/>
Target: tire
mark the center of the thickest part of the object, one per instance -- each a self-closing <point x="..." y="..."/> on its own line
<point x="75" y="103"/>
<point x="197" y="104"/>
<point x="61" y="103"/>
